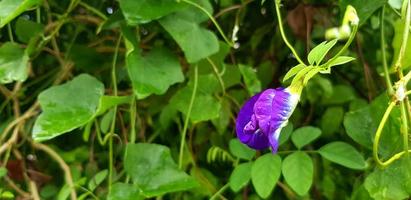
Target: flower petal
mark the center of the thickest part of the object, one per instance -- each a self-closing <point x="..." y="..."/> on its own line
<point x="247" y="129"/>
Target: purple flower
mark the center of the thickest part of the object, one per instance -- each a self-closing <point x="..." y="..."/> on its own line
<point x="262" y="117"/>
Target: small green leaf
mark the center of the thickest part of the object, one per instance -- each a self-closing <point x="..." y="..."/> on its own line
<point x="9" y="9"/>
<point x="3" y="172"/>
<point x="22" y="25"/>
<point x="196" y="42"/>
<point x="240" y="176"/>
<point x="305" y="135"/>
<point x="13" y="63"/>
<point x="286" y="133"/>
<point x="151" y="167"/>
<point x="6" y="195"/>
<point x="204" y="99"/>
<point x="241" y="150"/>
<point x="144" y="11"/>
<point x="124" y="191"/>
<point x="298" y="171"/>
<point x="331" y="120"/>
<point x="97" y="179"/>
<point x="318" y="53"/>
<point x="153" y="73"/>
<point x="265" y="173"/>
<point x="67" y="106"/>
<point x="343" y="154"/>
<point x="293" y="71"/>
<point x="250" y="79"/>
<point x="340" y="61"/>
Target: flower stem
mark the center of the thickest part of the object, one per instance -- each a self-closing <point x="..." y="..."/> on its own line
<point x="280" y="25"/>
<point x="187" y="120"/>
<point x="384" y="57"/>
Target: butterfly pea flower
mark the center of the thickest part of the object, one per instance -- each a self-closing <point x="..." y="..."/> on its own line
<point x="262" y="117"/>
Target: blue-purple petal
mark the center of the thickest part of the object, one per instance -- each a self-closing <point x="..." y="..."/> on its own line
<point x="262" y="117"/>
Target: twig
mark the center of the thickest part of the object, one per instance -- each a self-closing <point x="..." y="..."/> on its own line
<point x="63" y="166"/>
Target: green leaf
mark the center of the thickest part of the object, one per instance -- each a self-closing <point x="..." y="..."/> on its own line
<point x="13" y="63"/>
<point x="293" y="71"/>
<point x="396" y="44"/>
<point x="97" y="179"/>
<point x="340" y="60"/>
<point x="153" y="73"/>
<point x="265" y="173"/>
<point x="9" y="9"/>
<point x="341" y="94"/>
<point x="298" y="171"/>
<point x="364" y="8"/>
<point x="196" y="42"/>
<point x="204" y="99"/>
<point x="362" y="124"/>
<point x="151" y="167"/>
<point x="144" y="11"/>
<point x="331" y="120"/>
<point x="305" y="135"/>
<point x="393" y="182"/>
<point x="124" y="191"/>
<point x="250" y="79"/>
<point x="68" y="106"/>
<point x="343" y="154"/>
<point x="22" y="25"/>
<point x="3" y="172"/>
<point x="240" y="176"/>
<point x="6" y="195"/>
<point x="286" y="133"/>
<point x="223" y="120"/>
<point x="318" y="53"/>
<point x="241" y="150"/>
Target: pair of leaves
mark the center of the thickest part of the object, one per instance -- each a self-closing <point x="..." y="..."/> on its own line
<point x="180" y="20"/>
<point x="315" y="57"/>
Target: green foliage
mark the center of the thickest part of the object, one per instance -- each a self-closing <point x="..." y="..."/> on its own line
<point x="154" y="72"/>
<point x="13" y="63"/>
<point x="153" y="170"/>
<point x="343" y="154"/>
<point x="298" y="172"/>
<point x="305" y="135"/>
<point x="67" y="107"/>
<point x="240" y="176"/>
<point x="265" y="172"/>
<point x="118" y="91"/>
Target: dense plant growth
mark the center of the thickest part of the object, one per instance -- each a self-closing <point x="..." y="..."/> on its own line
<point x="136" y="99"/>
